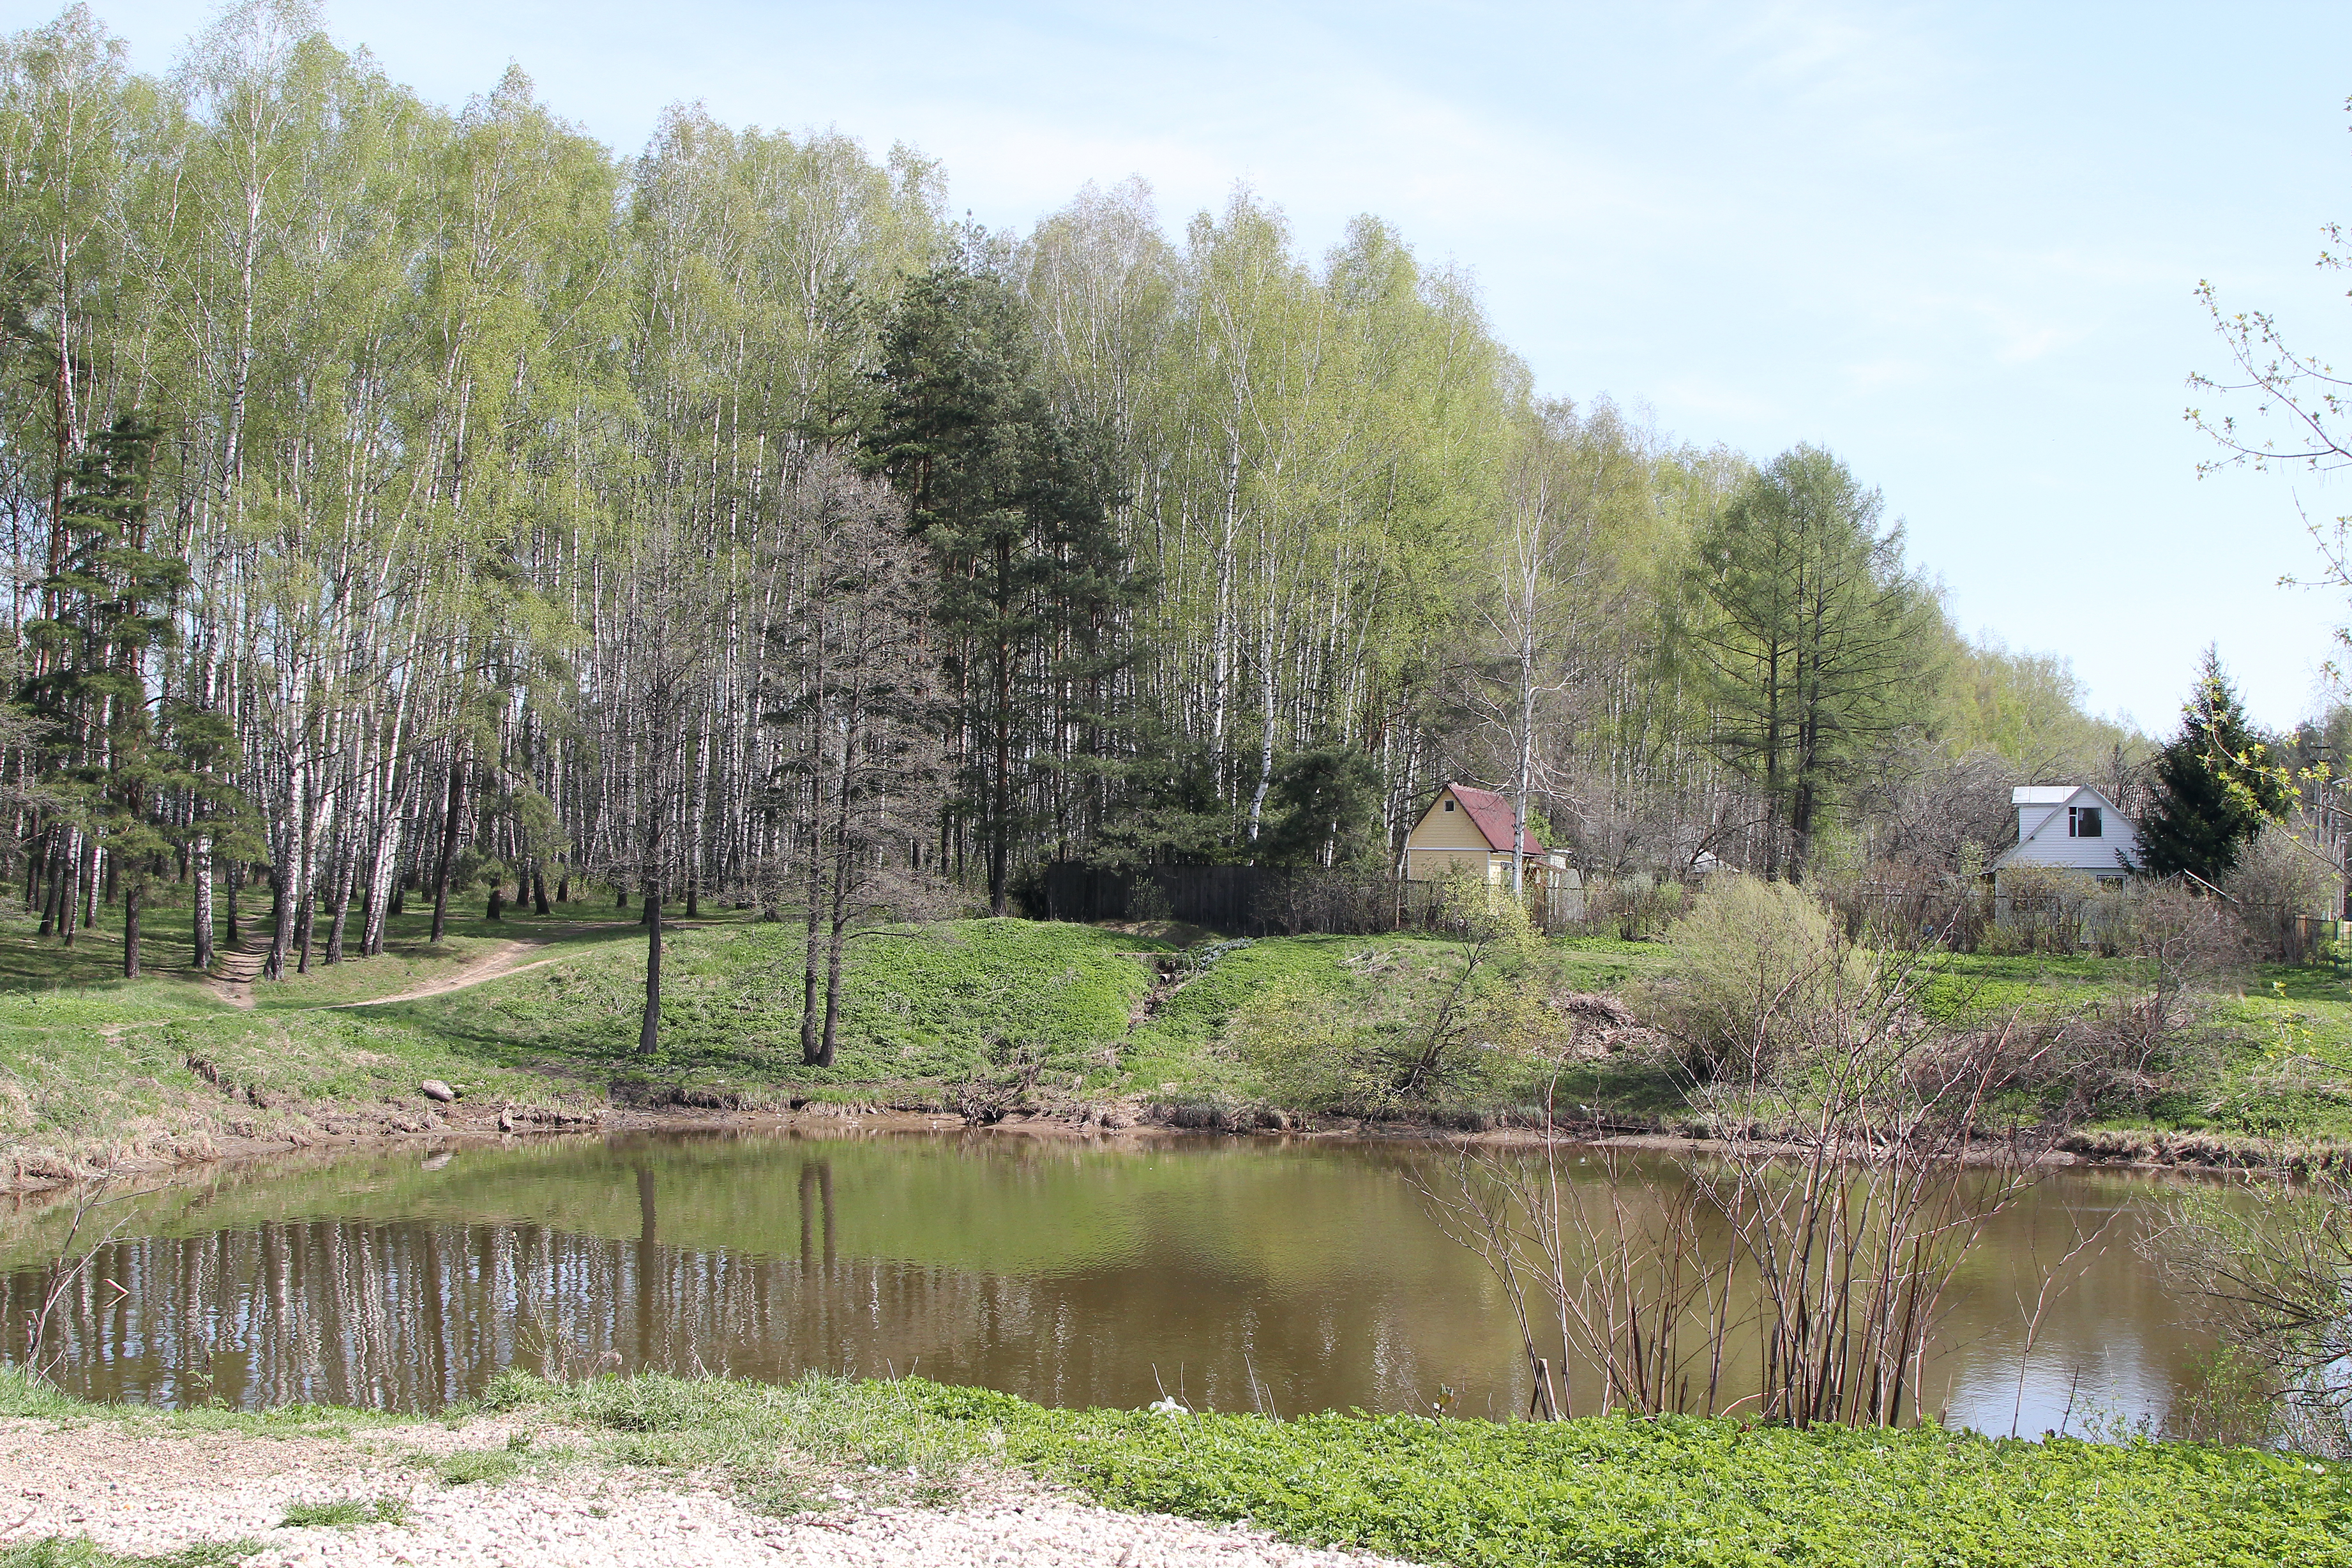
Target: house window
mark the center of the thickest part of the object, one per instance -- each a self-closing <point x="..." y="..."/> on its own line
<point x="2084" y="822"/>
<point x="1449" y="805"/>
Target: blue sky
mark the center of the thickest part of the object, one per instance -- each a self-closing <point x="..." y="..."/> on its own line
<point x="1956" y="243"/>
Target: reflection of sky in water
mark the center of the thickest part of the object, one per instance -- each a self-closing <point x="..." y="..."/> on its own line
<point x="2078" y="1389"/>
<point x="1248" y="1275"/>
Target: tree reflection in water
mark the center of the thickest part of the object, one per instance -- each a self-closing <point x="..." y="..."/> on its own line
<point x="1302" y="1276"/>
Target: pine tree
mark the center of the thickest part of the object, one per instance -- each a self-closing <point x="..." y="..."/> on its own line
<point x="110" y="608"/>
<point x="1014" y="504"/>
<point x="2216" y="784"/>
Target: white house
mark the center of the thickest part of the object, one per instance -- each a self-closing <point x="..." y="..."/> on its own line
<point x="2069" y="828"/>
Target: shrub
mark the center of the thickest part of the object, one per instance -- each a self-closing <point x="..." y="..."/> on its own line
<point x="1633" y="909"/>
<point x="2048" y="909"/>
<point x="2276" y="880"/>
<point x="1758" y="966"/>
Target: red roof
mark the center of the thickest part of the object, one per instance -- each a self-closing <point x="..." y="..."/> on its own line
<point x="1492" y="815"/>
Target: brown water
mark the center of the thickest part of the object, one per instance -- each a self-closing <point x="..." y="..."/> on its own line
<point x="1240" y="1274"/>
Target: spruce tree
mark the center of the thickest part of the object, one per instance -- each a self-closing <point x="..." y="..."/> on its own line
<point x="2216" y="784"/>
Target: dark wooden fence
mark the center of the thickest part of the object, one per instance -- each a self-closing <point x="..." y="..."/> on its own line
<point x="1220" y="898"/>
<point x="1254" y="901"/>
<point x="2310" y="938"/>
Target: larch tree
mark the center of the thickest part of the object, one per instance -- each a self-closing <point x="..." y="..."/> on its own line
<point x="1811" y="637"/>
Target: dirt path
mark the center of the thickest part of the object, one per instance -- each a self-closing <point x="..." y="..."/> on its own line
<point x="500" y="960"/>
<point x="140" y="1487"/>
<point x="237" y="972"/>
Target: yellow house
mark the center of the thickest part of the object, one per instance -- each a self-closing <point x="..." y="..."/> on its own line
<point x="1469" y="830"/>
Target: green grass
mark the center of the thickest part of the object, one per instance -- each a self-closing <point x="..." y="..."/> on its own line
<point x="79" y="1552"/>
<point x="1175" y="1051"/>
<point x="93" y="1068"/>
<point x="1983" y="985"/>
<point x="346" y="1513"/>
<point x="472" y="1465"/>
<point x="943" y="1004"/>
<point x="1668" y="1492"/>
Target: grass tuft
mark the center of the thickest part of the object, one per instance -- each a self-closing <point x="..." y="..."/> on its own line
<point x="346" y="1512"/>
<point x="469" y="1466"/>
<point x="80" y="1551"/>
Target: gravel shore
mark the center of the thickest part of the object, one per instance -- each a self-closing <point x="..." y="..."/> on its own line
<point x="148" y="1491"/>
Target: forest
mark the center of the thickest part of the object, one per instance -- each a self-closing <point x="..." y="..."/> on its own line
<point x="408" y="504"/>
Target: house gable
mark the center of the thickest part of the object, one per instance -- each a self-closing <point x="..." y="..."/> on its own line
<point x="1439" y="828"/>
<point x="1493" y="815"/>
<point x="2042" y="839"/>
<point x="1469" y="830"/>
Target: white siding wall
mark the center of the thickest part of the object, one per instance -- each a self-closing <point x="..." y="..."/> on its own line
<point x="2051" y="847"/>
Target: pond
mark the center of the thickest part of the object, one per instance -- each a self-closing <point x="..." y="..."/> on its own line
<point x="1286" y="1276"/>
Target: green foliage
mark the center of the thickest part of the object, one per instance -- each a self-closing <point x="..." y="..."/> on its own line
<point x="1327" y="807"/>
<point x="1013" y="500"/>
<point x="2027" y="709"/>
<point x="1809" y="635"/>
<point x="2216" y="785"/>
<point x="1756" y="966"/>
<point x="1676" y="1493"/>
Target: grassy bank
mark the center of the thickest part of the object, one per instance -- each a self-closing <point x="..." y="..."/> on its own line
<point x="1060" y="1019"/>
<point x="1676" y="1491"/>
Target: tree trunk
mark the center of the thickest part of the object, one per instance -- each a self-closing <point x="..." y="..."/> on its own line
<point x="201" y="920"/>
<point x="452" y="814"/>
<point x="1000" y="829"/>
<point x="130" y="930"/>
<point x="306" y="911"/>
<point x="538" y="890"/>
<point x="235" y="880"/>
<point x="53" y="892"/>
<point x="68" y="894"/>
<point x="649" y="1035"/>
<point x="815" y="898"/>
<point x="339" y="902"/>
<point x="281" y="921"/>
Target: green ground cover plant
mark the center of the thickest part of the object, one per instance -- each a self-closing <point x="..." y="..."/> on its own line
<point x="55" y="1552"/>
<point x="1664" y="1493"/>
<point x="1669" y="1492"/>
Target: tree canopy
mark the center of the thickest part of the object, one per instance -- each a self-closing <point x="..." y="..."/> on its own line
<point x="473" y="463"/>
<point x="2215" y="784"/>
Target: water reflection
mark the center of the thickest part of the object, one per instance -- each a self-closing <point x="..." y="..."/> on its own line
<point x="1240" y="1275"/>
